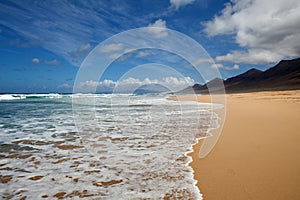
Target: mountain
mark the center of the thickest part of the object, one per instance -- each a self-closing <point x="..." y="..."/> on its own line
<point x="197" y="86"/>
<point x="283" y="76"/>
<point x="151" y="88"/>
<point x="244" y="81"/>
<point x="190" y="89"/>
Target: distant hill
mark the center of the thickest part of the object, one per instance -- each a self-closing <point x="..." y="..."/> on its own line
<point x="151" y="88"/>
<point x="283" y="76"/>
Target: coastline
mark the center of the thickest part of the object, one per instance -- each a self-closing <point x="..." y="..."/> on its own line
<point x="256" y="156"/>
<point x="195" y="147"/>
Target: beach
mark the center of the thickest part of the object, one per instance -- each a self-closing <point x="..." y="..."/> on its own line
<point x="257" y="155"/>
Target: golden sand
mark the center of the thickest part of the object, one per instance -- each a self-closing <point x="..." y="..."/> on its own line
<point x="257" y="155"/>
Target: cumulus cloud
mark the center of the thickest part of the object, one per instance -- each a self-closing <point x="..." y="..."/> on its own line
<point x="267" y="30"/>
<point x="179" y="3"/>
<point x="221" y="66"/>
<point x="53" y="62"/>
<point x="160" y="30"/>
<point x="35" y="61"/>
<point x="130" y="84"/>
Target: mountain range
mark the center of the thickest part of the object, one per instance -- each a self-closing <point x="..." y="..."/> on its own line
<point x="283" y="76"/>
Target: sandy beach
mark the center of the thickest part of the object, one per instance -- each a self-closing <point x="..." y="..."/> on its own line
<point x="257" y="155"/>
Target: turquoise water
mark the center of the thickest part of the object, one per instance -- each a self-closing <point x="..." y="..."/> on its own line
<point x="99" y="146"/>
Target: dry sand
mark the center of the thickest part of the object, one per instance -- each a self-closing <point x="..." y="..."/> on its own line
<point x="257" y="155"/>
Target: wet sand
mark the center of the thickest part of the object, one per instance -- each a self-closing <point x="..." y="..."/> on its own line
<point x="257" y="155"/>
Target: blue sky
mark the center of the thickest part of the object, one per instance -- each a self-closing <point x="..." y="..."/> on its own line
<point x="43" y="43"/>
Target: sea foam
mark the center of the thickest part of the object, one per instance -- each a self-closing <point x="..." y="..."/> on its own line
<point x="115" y="146"/>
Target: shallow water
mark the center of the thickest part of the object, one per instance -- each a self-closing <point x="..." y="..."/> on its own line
<point x="101" y="147"/>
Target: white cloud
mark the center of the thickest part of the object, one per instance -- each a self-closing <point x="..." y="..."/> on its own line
<point x="108" y="83"/>
<point x="143" y="54"/>
<point x="158" y="28"/>
<point x="268" y="30"/>
<point x="53" y="62"/>
<point x="35" y="61"/>
<point x="111" y="47"/>
<point x="251" y="56"/>
<point x="115" y="51"/>
<point x="179" y="3"/>
<point x="81" y="51"/>
<point x="114" y="56"/>
<point x="85" y="47"/>
<point x="221" y="66"/>
<point x="235" y="66"/>
<point x="130" y="84"/>
<point x="178" y="82"/>
<point x="202" y="60"/>
<point x="65" y="86"/>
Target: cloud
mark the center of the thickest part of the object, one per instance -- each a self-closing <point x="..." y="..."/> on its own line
<point x="115" y="51"/>
<point x="71" y="33"/>
<point x="221" y="66"/>
<point x="130" y="84"/>
<point x="65" y="86"/>
<point x="35" y="61"/>
<point x="26" y="44"/>
<point x="159" y="30"/>
<point x="201" y="61"/>
<point x="85" y="47"/>
<point x="62" y="30"/>
<point x="252" y="56"/>
<point x="53" y="62"/>
<point x="158" y="23"/>
<point x="114" y="56"/>
<point x="268" y="30"/>
<point x="81" y="51"/>
<point x="142" y="54"/>
<point x="179" y="3"/>
<point x="111" y="47"/>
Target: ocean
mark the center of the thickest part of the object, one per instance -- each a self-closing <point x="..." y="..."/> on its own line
<point x="99" y="146"/>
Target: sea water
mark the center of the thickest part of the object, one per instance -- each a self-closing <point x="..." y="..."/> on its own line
<point x="99" y="146"/>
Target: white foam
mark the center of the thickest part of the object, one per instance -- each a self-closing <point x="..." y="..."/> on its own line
<point x="11" y="96"/>
<point x="50" y="95"/>
<point x="24" y="96"/>
<point x="139" y="140"/>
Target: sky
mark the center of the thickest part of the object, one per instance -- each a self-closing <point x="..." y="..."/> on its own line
<point x="44" y="44"/>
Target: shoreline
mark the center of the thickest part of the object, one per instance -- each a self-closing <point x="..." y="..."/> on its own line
<point x="195" y="147"/>
<point x="256" y="155"/>
<point x="190" y="160"/>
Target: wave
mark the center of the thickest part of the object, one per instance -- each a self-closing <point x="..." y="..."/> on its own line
<point x="140" y="143"/>
<point x="7" y="97"/>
